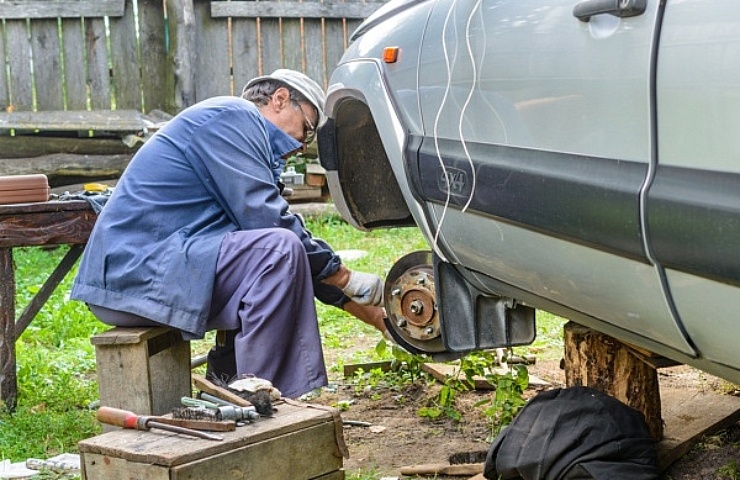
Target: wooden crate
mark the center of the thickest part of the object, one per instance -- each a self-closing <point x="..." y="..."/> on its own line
<point x="298" y="443"/>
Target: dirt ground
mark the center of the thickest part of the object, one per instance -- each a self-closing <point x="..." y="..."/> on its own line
<point x="395" y="436"/>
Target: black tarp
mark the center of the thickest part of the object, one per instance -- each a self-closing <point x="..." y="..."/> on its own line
<point x="574" y="433"/>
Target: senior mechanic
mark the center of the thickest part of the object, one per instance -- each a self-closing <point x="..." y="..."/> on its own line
<point x="197" y="236"/>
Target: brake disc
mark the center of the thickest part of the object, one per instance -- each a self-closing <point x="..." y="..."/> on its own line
<point x="411" y="304"/>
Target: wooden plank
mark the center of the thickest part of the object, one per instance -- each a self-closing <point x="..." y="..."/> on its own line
<point x="157" y="75"/>
<point x="350" y="370"/>
<point x="271" y="53"/>
<point x="314" y="49"/>
<point x="299" y="455"/>
<point x="4" y="95"/>
<point x="75" y="71"/>
<point x="128" y="335"/>
<point x="47" y="64"/>
<point x="304" y="192"/>
<point x="125" y="60"/>
<point x="209" y="387"/>
<point x="38" y="208"/>
<point x="293" y="9"/>
<point x="44" y="228"/>
<point x="126" y="121"/>
<point x="59" y="166"/>
<point x="292" y="45"/>
<point x="245" y="51"/>
<point x="107" y="467"/>
<point x="212" y="70"/>
<point x="169" y="373"/>
<point x="97" y="64"/>
<point x="464" y="469"/>
<point x="124" y="377"/>
<point x="182" y="51"/>
<point x="334" y="43"/>
<point x="442" y="371"/>
<point x="29" y="146"/>
<point x="19" y="55"/>
<point x="688" y="416"/>
<point x="61" y="8"/>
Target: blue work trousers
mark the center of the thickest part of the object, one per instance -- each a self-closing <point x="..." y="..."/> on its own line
<point x="264" y="291"/>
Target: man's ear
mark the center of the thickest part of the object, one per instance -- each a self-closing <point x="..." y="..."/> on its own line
<point x="281" y="98"/>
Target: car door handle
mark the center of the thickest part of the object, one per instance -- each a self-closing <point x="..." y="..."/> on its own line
<point x="583" y="11"/>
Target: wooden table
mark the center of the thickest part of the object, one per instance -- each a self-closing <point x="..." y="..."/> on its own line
<point x="26" y="225"/>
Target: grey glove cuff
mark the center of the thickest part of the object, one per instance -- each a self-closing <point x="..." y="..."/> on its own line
<point x="364" y="288"/>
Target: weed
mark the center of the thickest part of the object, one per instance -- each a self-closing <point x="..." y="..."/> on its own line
<point x="507" y="400"/>
<point x="731" y="471"/>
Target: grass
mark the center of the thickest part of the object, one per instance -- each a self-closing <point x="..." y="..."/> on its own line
<point x="56" y="362"/>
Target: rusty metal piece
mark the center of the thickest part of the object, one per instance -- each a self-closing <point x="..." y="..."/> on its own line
<point x="411" y="304"/>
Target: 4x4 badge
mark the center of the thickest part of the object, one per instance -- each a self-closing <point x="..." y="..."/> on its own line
<point x="456" y="179"/>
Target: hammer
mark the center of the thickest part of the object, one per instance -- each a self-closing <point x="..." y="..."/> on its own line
<point x="126" y="419"/>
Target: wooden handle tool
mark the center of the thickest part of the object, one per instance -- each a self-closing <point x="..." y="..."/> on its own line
<point x="126" y="419"/>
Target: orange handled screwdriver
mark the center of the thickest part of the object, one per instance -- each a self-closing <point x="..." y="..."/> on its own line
<point x="126" y="419"/>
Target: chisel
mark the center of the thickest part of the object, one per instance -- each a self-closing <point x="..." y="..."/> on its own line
<point x="126" y="419"/>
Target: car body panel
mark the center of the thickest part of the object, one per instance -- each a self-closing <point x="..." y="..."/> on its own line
<point x="558" y="162"/>
<point x="694" y="204"/>
<point x="538" y="83"/>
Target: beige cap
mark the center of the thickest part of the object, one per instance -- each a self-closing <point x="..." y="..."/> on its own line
<point x="299" y="81"/>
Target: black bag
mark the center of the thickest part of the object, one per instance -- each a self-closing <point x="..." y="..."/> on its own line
<point x="575" y="433"/>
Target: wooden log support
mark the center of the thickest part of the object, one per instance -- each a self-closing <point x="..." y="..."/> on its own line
<point x="601" y="362"/>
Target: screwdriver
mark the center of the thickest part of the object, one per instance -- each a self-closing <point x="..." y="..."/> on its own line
<point x="126" y="419"/>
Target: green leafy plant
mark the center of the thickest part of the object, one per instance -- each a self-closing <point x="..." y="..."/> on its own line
<point x="730" y="471"/>
<point x="507" y="400"/>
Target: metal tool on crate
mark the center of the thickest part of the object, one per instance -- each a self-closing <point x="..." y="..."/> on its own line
<point x="224" y="411"/>
<point x="126" y="419"/>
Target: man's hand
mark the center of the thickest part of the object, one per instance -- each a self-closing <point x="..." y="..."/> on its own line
<point x="373" y="316"/>
<point x="364" y="288"/>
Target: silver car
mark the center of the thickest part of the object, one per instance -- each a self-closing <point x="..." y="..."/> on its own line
<point x="580" y="158"/>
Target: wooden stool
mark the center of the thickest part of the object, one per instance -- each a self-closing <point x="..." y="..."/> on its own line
<point x="144" y="370"/>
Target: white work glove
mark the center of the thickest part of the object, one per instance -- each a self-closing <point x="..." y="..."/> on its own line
<point x="364" y="288"/>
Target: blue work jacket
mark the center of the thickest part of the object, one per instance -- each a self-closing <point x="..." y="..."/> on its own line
<point x="209" y="171"/>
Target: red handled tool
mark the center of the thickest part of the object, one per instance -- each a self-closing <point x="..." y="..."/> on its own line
<point x="126" y="419"/>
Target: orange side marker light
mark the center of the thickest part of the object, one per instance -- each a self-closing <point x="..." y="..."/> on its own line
<point x="390" y="54"/>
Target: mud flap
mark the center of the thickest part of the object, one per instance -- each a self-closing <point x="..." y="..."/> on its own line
<point x="474" y="320"/>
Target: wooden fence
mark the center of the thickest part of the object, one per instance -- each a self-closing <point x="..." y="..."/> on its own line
<point x="66" y="65"/>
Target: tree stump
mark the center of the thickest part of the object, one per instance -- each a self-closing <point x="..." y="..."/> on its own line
<point x="595" y="360"/>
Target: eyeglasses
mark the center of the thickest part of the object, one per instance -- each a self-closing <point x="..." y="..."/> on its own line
<point x="309" y="131"/>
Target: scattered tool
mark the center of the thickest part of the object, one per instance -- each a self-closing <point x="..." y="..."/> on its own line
<point x="126" y="419"/>
<point x="465" y="469"/>
<point x="224" y="412"/>
<point x="219" y="391"/>
<point x="261" y="399"/>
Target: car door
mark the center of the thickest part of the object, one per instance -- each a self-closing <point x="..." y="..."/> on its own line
<point x="540" y="123"/>
<point x="694" y="202"/>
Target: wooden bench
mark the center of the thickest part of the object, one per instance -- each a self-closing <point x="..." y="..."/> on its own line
<point x="143" y="370"/>
<point x="26" y="225"/>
